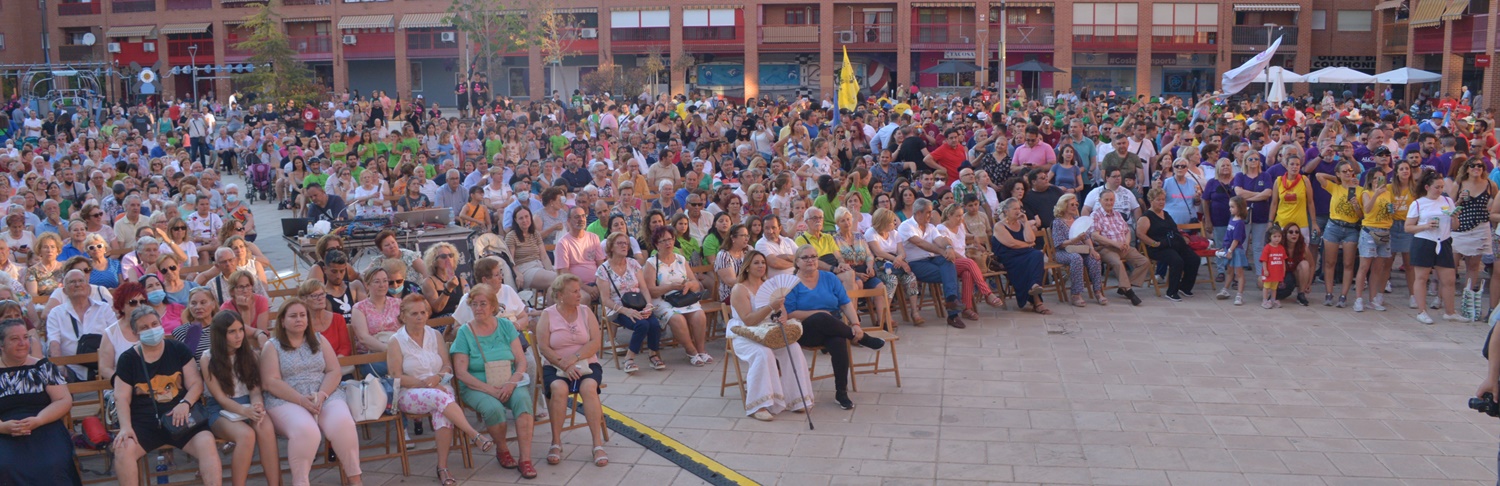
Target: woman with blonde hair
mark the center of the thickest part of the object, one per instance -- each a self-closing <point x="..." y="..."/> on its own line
<point x="443" y="288"/>
<point x="1077" y="253"/>
<point x="253" y="307"/>
<point x="567" y="337"/>
<point x="767" y="391"/>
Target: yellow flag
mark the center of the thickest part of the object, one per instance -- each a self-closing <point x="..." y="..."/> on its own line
<point x="848" y="86"/>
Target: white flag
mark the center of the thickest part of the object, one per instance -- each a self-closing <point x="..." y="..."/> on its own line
<point x="1236" y="79"/>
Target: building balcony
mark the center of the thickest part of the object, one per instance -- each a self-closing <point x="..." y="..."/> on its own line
<point x="371" y="45"/>
<point x="312" y="46"/>
<point x="580" y="42"/>
<point x="132" y="6"/>
<point x="1397" y="36"/>
<point x="77" y="53"/>
<point x="642" y="36"/>
<point x="189" y="4"/>
<point x="429" y="43"/>
<point x="943" y="36"/>
<point x="294" y="3"/>
<point x="866" y="36"/>
<point x="79" y="8"/>
<point x="789" y="34"/>
<point x="1256" y="36"/>
<point x="713" y="35"/>
<point x="180" y="52"/>
<point x="1201" y="41"/>
<point x="1026" y="37"/>
<point x="1104" y="42"/>
<point x="231" y="50"/>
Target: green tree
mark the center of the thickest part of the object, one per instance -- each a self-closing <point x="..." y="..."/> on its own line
<point x="497" y="27"/>
<point x="555" y="35"/>
<point x="279" y="75"/>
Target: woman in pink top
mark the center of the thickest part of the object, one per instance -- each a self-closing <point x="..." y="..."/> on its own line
<point x="568" y="338"/>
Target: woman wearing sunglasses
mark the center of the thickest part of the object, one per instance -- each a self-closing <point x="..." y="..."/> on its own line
<point x="169" y="268"/>
<point x="106" y="271"/>
<point x="175" y="240"/>
<point x="93" y="223"/>
<point x="119" y="337"/>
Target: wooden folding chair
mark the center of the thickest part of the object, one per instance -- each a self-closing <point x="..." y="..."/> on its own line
<point x="393" y="428"/>
<point x="280" y="296"/>
<point x="1150" y="264"/>
<point x="1055" y="271"/>
<point x="993" y="276"/>
<point x="89" y="408"/>
<point x="712" y="303"/>
<point x="881" y="328"/>
<point x="1207" y="254"/>
<point x="731" y="360"/>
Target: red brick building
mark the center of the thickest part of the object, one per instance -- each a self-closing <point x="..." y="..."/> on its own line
<point x="772" y="47"/>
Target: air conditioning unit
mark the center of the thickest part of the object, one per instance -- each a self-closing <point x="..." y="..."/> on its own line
<point x="588" y="33"/>
<point x="450" y="37"/>
<point x="847" y="37"/>
<point x="350" y="40"/>
<point x="112" y="47"/>
<point x="148" y="46"/>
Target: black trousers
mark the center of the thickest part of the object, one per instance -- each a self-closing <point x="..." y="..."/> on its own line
<point x="1182" y="266"/>
<point x="823" y="329"/>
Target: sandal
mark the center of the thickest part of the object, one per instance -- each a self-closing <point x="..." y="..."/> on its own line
<point x="918" y="321"/>
<point x="506" y="460"/>
<point x="1036" y="290"/>
<point x="1040" y="309"/>
<point x="485" y="443"/>
<point x="1102" y="300"/>
<point x="1078" y="301"/>
<point x="600" y="458"/>
<point x="695" y="360"/>
<point x="554" y="454"/>
<point x="994" y="301"/>
<point x="969" y="314"/>
<point x="630" y="366"/>
<point x="707" y="358"/>
<point x="657" y="363"/>
<point x="528" y="471"/>
<point x="445" y="478"/>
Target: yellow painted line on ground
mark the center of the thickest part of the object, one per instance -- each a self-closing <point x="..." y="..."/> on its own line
<point x="729" y="476"/>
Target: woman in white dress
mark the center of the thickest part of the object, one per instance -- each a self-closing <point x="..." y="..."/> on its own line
<point x="767" y="390"/>
<point x="667" y="271"/>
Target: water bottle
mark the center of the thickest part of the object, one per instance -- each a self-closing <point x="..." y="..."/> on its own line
<point x="161" y="469"/>
<point x="889" y="268"/>
<point x="417" y="428"/>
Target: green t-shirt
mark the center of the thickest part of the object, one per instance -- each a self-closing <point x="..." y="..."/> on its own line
<point x="492" y="147"/>
<point x="338" y="149"/>
<point x="409" y="144"/>
<point x="711" y="246"/>
<point x="597" y="227"/>
<point x="319" y="179"/>
<point x="559" y="142"/>
<point x="828" y="206"/>
<point x="495" y="347"/>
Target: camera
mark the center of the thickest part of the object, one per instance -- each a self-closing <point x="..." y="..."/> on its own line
<point x="1486" y="405"/>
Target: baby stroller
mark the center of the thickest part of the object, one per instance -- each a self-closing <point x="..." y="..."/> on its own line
<point x="262" y="182"/>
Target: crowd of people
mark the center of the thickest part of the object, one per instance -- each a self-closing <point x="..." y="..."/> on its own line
<point x="637" y="216"/>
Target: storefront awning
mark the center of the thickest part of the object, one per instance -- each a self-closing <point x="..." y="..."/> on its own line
<point x="942" y="4"/>
<point x="308" y="19"/>
<point x="583" y="10"/>
<point x="367" y="22"/>
<point x="197" y="28"/>
<point x="1267" y="7"/>
<point x="147" y="31"/>
<point x="1028" y="4"/>
<point x="639" y="9"/>
<point x="721" y="6"/>
<point x="1455" y="9"/>
<point x="1388" y="4"/>
<point x="1428" y="13"/>
<point x="426" y="21"/>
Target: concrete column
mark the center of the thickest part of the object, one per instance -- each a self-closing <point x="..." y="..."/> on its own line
<point x="903" y="77"/>
<point x="1062" y="40"/>
<point x="403" y="67"/>
<point x="168" y="86"/>
<point x="221" y="37"/>
<point x="675" y="51"/>
<point x="1453" y="64"/>
<point x="1143" y="49"/>
<point x="982" y="38"/>
<point x="828" y="62"/>
<point x="1491" y="89"/>
<point x="340" y="68"/>
<point x="1304" y="44"/>
<point x="752" y="51"/>
<point x="536" y="75"/>
<point x="605" y="39"/>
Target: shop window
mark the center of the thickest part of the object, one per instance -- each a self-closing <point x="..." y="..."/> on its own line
<point x="1354" y="20"/>
<point x="1185" y="23"/>
<point x="955" y="80"/>
<point x="1116" y="23"/>
<point x="802" y="16"/>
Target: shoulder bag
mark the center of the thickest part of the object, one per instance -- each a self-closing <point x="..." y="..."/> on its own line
<point x="496" y="373"/>
<point x="631" y="300"/>
<point x="195" y="410"/>
<point x="678" y="298"/>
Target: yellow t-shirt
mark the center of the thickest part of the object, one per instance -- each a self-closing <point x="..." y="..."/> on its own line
<point x="1401" y="201"/>
<point x="1292" y="201"/>
<point x="1344" y="203"/>
<point x="825" y="244"/>
<point x="1381" y="215"/>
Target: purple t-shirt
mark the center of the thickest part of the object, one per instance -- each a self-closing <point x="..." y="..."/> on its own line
<point x="1260" y="211"/>
<point x="1236" y="232"/>
<point x="1217" y="195"/>
<point x="1320" y="196"/>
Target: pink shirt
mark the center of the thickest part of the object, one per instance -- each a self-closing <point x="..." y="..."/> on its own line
<point x="262" y="305"/>
<point x="568" y="338"/>
<point x="1041" y="154"/>
<point x="579" y="255"/>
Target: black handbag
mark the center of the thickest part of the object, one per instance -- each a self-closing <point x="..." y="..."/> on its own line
<point x="195" y="410"/>
<point x="87" y="343"/>
<point x="631" y="300"/>
<point x="678" y="298"/>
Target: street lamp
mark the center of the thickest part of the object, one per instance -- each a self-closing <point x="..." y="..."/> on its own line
<point x="193" y="61"/>
<point x="1271" y="30"/>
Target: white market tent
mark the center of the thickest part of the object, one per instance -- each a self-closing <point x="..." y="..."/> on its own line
<point x="1277" y="73"/>
<point x="1408" y="75"/>
<point x="1338" y="75"/>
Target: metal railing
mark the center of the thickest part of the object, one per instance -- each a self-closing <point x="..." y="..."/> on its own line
<point x="1246" y="35"/>
<point x="79" y="8"/>
<point x="132" y="6"/>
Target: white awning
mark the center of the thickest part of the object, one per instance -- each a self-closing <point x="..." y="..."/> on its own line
<point x="196" y="28"/>
<point x="426" y="21"/>
<point x="366" y="22"/>
<point x="1388" y="4"/>
<point x="147" y="31"/>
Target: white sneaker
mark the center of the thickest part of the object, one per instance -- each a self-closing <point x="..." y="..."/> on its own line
<point x="1387" y="287"/>
<point x="1239" y="300"/>
<point x="1422" y="318"/>
<point x="1413" y="302"/>
<point x="1359" y="305"/>
<point x="1455" y="317"/>
<point x="1223" y="294"/>
<point x="1377" y="303"/>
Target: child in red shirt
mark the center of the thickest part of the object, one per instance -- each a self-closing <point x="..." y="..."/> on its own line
<point x="1273" y="268"/>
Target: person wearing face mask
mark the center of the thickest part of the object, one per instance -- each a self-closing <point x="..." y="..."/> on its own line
<point x="156" y="297"/>
<point x="157" y="379"/>
<point x="522" y="190"/>
<point x="235" y="208"/>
